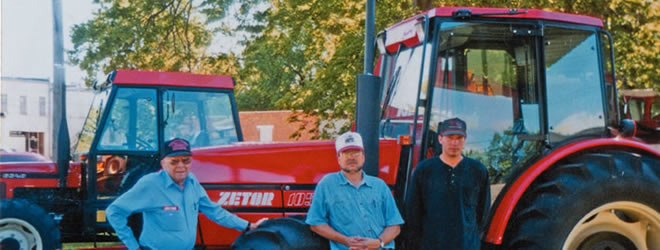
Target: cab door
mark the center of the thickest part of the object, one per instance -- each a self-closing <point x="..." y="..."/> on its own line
<point x="125" y="150"/>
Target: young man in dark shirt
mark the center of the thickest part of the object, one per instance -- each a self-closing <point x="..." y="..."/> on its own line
<point x="448" y="197"/>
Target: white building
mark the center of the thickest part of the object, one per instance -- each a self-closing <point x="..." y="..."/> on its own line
<point x="26" y="113"/>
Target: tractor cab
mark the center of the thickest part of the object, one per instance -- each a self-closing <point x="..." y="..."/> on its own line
<point x="510" y="74"/>
<point x="134" y="112"/>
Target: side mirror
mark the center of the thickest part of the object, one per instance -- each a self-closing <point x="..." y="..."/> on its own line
<point x="627" y="128"/>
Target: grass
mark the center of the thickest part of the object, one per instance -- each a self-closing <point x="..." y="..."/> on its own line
<point x="78" y="245"/>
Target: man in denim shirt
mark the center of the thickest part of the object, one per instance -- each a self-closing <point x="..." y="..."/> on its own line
<point x="169" y="201"/>
<point x="350" y="208"/>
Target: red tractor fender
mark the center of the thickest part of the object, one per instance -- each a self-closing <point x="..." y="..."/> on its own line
<point x="510" y="199"/>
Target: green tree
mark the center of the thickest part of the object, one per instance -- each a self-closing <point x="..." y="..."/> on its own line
<point x="145" y="34"/>
<point x="635" y="26"/>
<point x="307" y="57"/>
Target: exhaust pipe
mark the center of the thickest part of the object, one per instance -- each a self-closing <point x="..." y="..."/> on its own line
<point x="367" y="119"/>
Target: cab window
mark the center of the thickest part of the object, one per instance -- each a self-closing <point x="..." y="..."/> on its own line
<point x="202" y="118"/>
<point x="131" y="125"/>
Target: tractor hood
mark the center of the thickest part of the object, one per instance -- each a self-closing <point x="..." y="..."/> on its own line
<point x="279" y="163"/>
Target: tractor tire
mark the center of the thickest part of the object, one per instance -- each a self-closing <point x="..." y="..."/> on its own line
<point x="25" y="225"/>
<point x="260" y="239"/>
<point x="605" y="200"/>
<point x="279" y="234"/>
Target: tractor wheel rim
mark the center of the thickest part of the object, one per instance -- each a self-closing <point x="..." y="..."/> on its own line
<point x="22" y="232"/>
<point x="633" y="221"/>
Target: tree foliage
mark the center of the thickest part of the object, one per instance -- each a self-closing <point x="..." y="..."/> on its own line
<point x="308" y="56"/>
<point x="304" y="54"/>
<point x="145" y="34"/>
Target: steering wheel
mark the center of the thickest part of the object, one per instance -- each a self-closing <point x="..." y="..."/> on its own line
<point x="142" y="144"/>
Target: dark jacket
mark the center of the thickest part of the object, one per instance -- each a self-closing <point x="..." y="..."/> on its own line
<point x="446" y="207"/>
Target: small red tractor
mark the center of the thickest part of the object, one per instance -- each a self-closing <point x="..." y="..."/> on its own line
<point x="643" y="107"/>
<point x="537" y="90"/>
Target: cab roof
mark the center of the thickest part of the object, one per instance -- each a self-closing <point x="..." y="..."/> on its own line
<point x="404" y="32"/>
<point x="522" y="14"/>
<point x="172" y="79"/>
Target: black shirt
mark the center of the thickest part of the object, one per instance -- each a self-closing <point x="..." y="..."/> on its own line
<point x="446" y="207"/>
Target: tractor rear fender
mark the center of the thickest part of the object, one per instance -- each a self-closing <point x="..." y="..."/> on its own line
<point x="515" y="191"/>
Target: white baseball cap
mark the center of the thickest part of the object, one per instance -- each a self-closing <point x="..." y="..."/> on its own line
<point x="348" y="140"/>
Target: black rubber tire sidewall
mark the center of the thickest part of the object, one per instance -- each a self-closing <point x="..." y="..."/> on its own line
<point x="281" y="233"/>
<point x="555" y="203"/>
<point x="35" y="216"/>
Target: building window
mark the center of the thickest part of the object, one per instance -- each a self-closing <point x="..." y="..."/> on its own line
<point x="3" y="104"/>
<point x="22" y="102"/>
<point x="42" y="106"/>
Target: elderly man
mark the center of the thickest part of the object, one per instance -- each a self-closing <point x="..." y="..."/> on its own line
<point x="351" y="209"/>
<point x="169" y="201"/>
<point x="449" y="195"/>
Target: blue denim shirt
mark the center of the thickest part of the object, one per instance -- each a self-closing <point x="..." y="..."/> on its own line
<point x="363" y="211"/>
<point x="169" y="214"/>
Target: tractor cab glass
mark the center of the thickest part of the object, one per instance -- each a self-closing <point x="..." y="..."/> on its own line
<point x="400" y="92"/>
<point x="131" y="124"/>
<point x="92" y="122"/>
<point x="574" y="94"/>
<point x="203" y="118"/>
<point x="486" y="74"/>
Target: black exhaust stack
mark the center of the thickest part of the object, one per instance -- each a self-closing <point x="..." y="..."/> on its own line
<point x="61" y="144"/>
<point x="367" y="119"/>
<point x="367" y="109"/>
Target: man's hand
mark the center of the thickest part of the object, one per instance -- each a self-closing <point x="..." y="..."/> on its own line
<point x="354" y="241"/>
<point x="256" y="224"/>
<point x="361" y="243"/>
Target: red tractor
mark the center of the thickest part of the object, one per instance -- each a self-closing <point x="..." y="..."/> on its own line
<point x="132" y="114"/>
<point x="535" y="87"/>
<point x="537" y="91"/>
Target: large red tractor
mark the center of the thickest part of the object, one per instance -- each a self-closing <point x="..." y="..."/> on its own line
<point x="535" y="87"/>
<point x="537" y="91"/>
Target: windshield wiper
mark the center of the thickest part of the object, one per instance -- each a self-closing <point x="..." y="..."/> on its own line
<point x="467" y="14"/>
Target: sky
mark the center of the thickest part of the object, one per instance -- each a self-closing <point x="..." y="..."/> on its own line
<point x="27" y="36"/>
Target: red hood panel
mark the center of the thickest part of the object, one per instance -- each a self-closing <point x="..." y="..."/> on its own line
<point x="280" y="163"/>
<point x="28" y="167"/>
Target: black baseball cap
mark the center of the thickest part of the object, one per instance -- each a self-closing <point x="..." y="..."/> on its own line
<point x="176" y="147"/>
<point x="453" y="126"/>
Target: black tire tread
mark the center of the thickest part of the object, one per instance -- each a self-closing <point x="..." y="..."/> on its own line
<point x="284" y="233"/>
<point x="544" y="213"/>
<point x="36" y="216"/>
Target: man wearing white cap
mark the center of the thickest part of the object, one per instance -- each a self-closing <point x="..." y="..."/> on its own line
<point x="351" y="209"/>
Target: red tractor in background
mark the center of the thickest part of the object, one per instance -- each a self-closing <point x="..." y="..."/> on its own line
<point x="643" y="107"/>
<point x="536" y="88"/>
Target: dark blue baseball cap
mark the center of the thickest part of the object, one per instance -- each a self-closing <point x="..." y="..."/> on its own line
<point x="453" y="126"/>
<point x="176" y="147"/>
